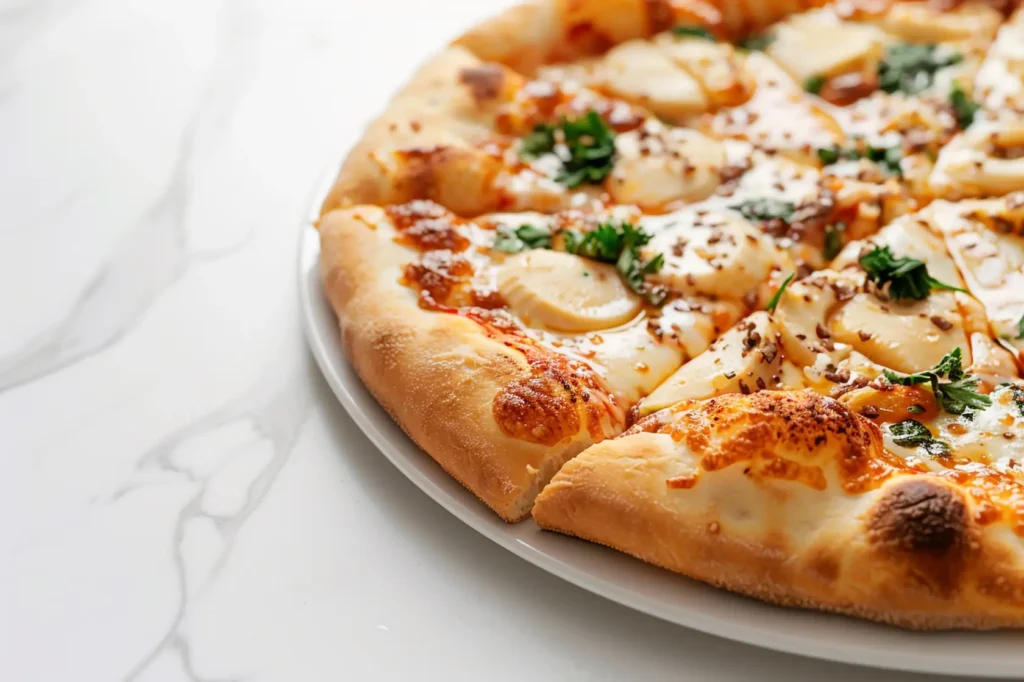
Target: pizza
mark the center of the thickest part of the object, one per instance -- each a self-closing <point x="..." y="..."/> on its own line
<point x="734" y="287"/>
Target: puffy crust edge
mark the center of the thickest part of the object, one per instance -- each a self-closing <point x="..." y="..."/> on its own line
<point x="436" y="374"/>
<point x="910" y="554"/>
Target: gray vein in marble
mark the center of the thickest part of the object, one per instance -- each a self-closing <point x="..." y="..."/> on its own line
<point x="278" y="418"/>
<point x="155" y="254"/>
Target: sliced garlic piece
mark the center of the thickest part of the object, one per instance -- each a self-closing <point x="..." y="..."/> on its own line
<point x="818" y="44"/>
<point x="564" y="292"/>
<point x="744" y="359"/>
<point x="717" y="66"/>
<point x="640" y="72"/>
<point x="920" y="23"/>
<point x="658" y="165"/>
<point x="985" y="160"/>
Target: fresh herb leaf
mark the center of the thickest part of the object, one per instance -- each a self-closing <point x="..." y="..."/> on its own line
<point x="540" y="141"/>
<point x="757" y="42"/>
<point x="963" y="106"/>
<point x="620" y="243"/>
<point x="766" y="209"/>
<point x="591" y="146"/>
<point x="888" y="157"/>
<point x="694" y="32"/>
<point x="915" y="409"/>
<point x="1020" y="327"/>
<point x="911" y="433"/>
<point x="814" y="84"/>
<point x="522" y="238"/>
<point x="833" y="240"/>
<point x="911" y="67"/>
<point x="773" y="303"/>
<point x="906" y="277"/>
<point x="829" y="155"/>
<point x="957" y="395"/>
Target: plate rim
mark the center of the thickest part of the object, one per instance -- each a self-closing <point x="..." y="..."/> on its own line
<point x="368" y="416"/>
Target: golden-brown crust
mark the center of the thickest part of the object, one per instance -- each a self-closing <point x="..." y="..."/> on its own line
<point x="902" y="547"/>
<point x="443" y="379"/>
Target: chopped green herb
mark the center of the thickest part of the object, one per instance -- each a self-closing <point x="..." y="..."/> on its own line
<point x="888" y="157"/>
<point x="814" y="84"/>
<point x="766" y="209"/>
<point x="963" y="106"/>
<point x="829" y="155"/>
<point x="757" y="42"/>
<point x="915" y="409"/>
<point x="906" y="277"/>
<point x="541" y="140"/>
<point x="589" y="143"/>
<point x="1020" y="327"/>
<point x="911" y="433"/>
<point x="773" y="303"/>
<point x="694" y="32"/>
<point x="620" y="243"/>
<point x="958" y="394"/>
<point x="833" y="240"/>
<point x="911" y="67"/>
<point x="522" y="238"/>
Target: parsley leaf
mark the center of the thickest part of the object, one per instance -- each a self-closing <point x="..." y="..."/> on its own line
<point x="888" y="157"/>
<point x="589" y="148"/>
<point x="963" y="106"/>
<point x="694" y="32"/>
<point x="757" y="42"/>
<point x="1018" y="398"/>
<point x="906" y="277"/>
<point x="814" y="84"/>
<point x="522" y="238"/>
<point x="1020" y="327"/>
<point x="833" y="240"/>
<point x="773" y="303"/>
<point x="911" y="67"/>
<point x="956" y="395"/>
<point x="766" y="209"/>
<point x="911" y="433"/>
<point x="540" y="141"/>
<point x="620" y="243"/>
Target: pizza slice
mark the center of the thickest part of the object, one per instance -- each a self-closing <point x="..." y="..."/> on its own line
<point x="507" y="343"/>
<point x="855" y="449"/>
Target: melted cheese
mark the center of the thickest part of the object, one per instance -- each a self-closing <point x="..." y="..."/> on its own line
<point x="713" y="253"/>
<point x="658" y="165"/>
<point x="744" y="359"/>
<point x="918" y="22"/>
<point x="985" y="160"/>
<point x="719" y="69"/>
<point x="999" y="83"/>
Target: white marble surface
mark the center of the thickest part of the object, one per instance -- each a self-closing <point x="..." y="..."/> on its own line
<point x="180" y="496"/>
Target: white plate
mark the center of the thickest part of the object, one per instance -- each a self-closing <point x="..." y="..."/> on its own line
<point x="631" y="582"/>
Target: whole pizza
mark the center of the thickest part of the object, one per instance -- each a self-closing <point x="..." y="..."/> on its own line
<point x="733" y="286"/>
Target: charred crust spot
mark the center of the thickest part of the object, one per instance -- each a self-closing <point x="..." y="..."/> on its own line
<point x="484" y="81"/>
<point x="539" y="409"/>
<point x="920" y="517"/>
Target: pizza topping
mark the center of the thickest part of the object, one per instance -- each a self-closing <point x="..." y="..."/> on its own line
<point x="955" y="395"/>
<point x="911" y="67"/>
<point x="773" y="302"/>
<point x="964" y="107"/>
<point x="887" y="157"/>
<point x="619" y="243"/>
<point x="911" y="433"/>
<point x="766" y="209"/>
<point x="585" y="146"/>
<point x="694" y="32"/>
<point x="522" y="238"/>
<point x="758" y="42"/>
<point x="905" y="277"/>
<point x="833" y="240"/>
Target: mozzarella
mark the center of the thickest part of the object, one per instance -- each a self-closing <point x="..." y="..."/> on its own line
<point x="902" y="335"/>
<point x="630" y="361"/>
<point x="718" y="68"/>
<point x="658" y="165"/>
<point x="564" y="292"/>
<point x="999" y="83"/>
